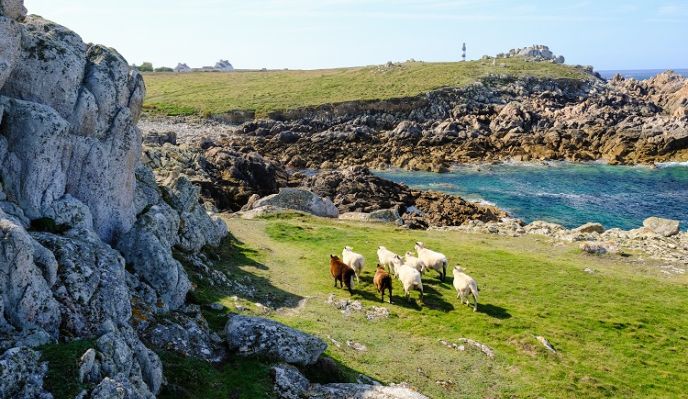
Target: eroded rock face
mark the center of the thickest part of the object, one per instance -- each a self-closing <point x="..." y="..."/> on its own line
<point x="251" y="336"/>
<point x="26" y="300"/>
<point x="81" y="103"/>
<point x="70" y="186"/>
<point x="148" y="248"/>
<point x="227" y="178"/>
<point x="90" y="285"/>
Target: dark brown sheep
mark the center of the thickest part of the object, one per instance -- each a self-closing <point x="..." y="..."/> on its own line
<point x="342" y="273"/>
<point x="383" y="281"/>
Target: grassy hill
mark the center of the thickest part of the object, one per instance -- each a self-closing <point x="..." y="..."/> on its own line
<point x="203" y="93"/>
<point x="619" y="332"/>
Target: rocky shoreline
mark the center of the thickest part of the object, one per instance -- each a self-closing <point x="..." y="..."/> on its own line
<point x="620" y="121"/>
<point x="500" y="119"/>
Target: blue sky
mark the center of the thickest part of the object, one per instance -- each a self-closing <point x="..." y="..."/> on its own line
<point x="330" y="33"/>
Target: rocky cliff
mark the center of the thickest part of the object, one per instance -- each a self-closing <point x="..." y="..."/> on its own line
<point x="499" y="118"/>
<point x="86" y="233"/>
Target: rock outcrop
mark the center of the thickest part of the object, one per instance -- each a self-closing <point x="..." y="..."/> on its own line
<point x="291" y="384"/>
<point x="360" y="195"/>
<point x="499" y="118"/>
<point x="85" y="229"/>
<point x="656" y="238"/>
<point x="256" y="336"/>
<point x="299" y="200"/>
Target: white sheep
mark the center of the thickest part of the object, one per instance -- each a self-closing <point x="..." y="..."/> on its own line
<point x="432" y="260"/>
<point x="353" y="260"/>
<point x="410" y="279"/>
<point x="411" y="260"/>
<point x="465" y="286"/>
<point x="388" y="259"/>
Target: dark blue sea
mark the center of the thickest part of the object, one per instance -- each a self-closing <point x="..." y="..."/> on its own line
<point x="640" y="74"/>
<point x="566" y="193"/>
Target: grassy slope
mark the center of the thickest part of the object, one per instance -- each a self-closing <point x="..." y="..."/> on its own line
<point x="262" y="92"/>
<point x="619" y="332"/>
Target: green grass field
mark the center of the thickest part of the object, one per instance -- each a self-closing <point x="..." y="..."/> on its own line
<point x="262" y="92"/>
<point x="620" y="332"/>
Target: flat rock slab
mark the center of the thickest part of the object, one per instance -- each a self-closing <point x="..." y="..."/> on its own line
<point x="300" y="200"/>
<point x="257" y="336"/>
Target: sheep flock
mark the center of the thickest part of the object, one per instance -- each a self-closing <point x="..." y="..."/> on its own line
<point x="408" y="269"/>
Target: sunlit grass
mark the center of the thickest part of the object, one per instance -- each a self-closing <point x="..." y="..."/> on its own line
<point x="204" y="93"/>
<point x="619" y="332"/>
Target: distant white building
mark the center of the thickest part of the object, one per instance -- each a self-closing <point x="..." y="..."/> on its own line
<point x="220" y="66"/>
<point x="224" y="66"/>
<point x="181" y="67"/>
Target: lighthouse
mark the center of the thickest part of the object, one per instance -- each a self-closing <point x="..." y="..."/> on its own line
<point x="463" y="52"/>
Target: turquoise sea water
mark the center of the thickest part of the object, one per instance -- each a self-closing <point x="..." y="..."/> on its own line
<point x="566" y="193"/>
<point x="640" y="74"/>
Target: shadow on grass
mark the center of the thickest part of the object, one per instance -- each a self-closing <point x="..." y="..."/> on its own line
<point x="232" y="257"/>
<point x="495" y="311"/>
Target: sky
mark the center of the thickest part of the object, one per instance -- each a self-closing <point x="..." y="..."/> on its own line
<point x="310" y="34"/>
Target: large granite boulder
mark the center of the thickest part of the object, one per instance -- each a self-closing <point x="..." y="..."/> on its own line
<point x="663" y="227"/>
<point x="299" y="200"/>
<point x="257" y="336"/>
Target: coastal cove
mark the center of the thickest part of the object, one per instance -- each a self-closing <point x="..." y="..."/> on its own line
<point x="569" y="194"/>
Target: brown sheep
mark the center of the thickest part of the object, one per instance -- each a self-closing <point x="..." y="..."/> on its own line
<point x="342" y="273"/>
<point x="383" y="281"/>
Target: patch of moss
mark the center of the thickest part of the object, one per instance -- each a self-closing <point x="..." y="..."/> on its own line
<point x="63" y="367"/>
<point x="239" y="378"/>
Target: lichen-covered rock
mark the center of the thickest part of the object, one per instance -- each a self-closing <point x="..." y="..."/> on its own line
<point x="196" y="229"/>
<point x="91" y="286"/>
<point x="21" y="374"/>
<point x="111" y="388"/>
<point x="289" y="382"/>
<point x="300" y="200"/>
<point x="187" y="333"/>
<point x="256" y="336"/>
<point x="26" y="300"/>
<point x="9" y="47"/>
<point x="81" y="103"/>
<point x="147" y="247"/>
<point x="120" y="356"/>
<point x="69" y="212"/>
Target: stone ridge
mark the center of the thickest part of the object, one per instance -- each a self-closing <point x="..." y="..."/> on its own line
<point x="86" y="232"/>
